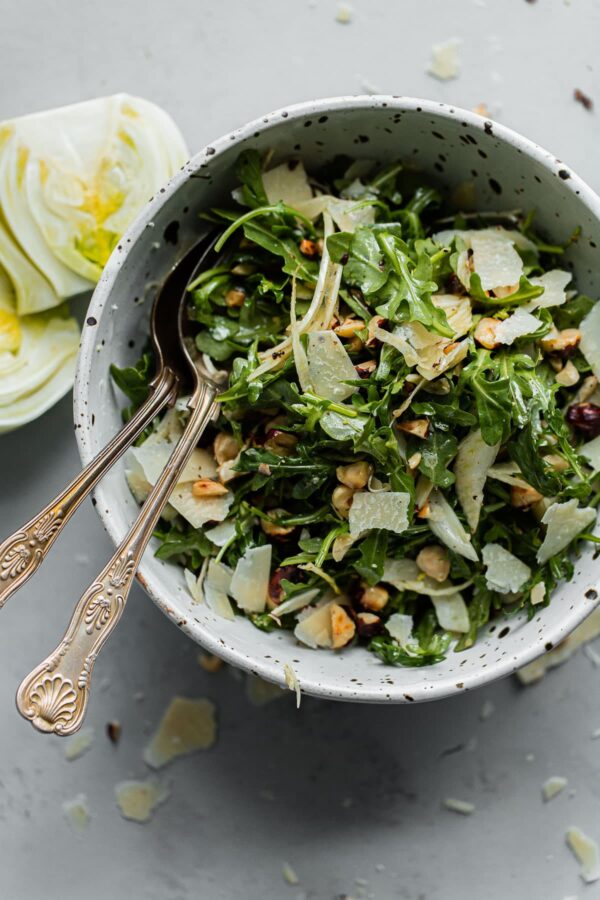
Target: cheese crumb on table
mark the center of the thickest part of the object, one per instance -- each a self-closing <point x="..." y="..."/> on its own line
<point x="586" y="853"/>
<point x="76" y="812"/>
<point x="137" y="800"/>
<point x="459" y="806"/>
<point x="79" y="743"/>
<point x="445" y="61"/>
<point x="553" y="786"/>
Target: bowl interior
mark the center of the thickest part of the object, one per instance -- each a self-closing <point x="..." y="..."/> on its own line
<point x="473" y="160"/>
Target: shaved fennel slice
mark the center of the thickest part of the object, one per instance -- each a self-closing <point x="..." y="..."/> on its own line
<point x="452" y="613"/>
<point x="329" y="366"/>
<point x="590" y="338"/>
<point x="329" y="307"/>
<point x="473" y="460"/>
<point x="314" y="627"/>
<point x="442" y="357"/>
<point x="287" y="183"/>
<point x="591" y="452"/>
<point x="33" y="292"/>
<point x="279" y="354"/>
<point x="517" y="325"/>
<point x="400" y="628"/>
<point x="446" y="526"/>
<point x="221" y="534"/>
<point x="564" y="521"/>
<point x="24" y="409"/>
<point x="250" y="581"/>
<point x="387" y="510"/>
<point x="405" y="575"/>
<point x="397" y="339"/>
<point x="298" y="601"/>
<point x="554" y="283"/>
<point x="215" y="588"/>
<point x="300" y="359"/>
<point x="47" y="343"/>
<point x="505" y="573"/>
<point x="458" y="312"/>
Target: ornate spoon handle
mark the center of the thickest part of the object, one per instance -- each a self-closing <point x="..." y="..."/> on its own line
<point x="55" y="695"/>
<point x="23" y="552"/>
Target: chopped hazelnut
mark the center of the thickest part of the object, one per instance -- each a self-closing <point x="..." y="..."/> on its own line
<point x="206" y="487"/>
<point x="523" y="497"/>
<point x="356" y="475"/>
<point x="272" y="528"/>
<point x="113" y="731"/>
<point x="413" y="461"/>
<point x="434" y="561"/>
<point x="556" y="462"/>
<point x="349" y="327"/>
<point x="586" y="389"/>
<point x="417" y="427"/>
<point x="568" y="375"/>
<point x="343" y="628"/>
<point x="225" y="447"/>
<point x="243" y="269"/>
<point x="308" y="248"/>
<point x="235" y="297"/>
<point x="365" y="369"/>
<point x="374" y="598"/>
<point x="485" y="333"/>
<point x="341" y="500"/>
<point x="561" y="341"/>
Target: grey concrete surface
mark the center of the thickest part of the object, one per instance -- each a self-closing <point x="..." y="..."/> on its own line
<point x="349" y="796"/>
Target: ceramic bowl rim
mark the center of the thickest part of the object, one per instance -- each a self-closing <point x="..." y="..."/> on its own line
<point x="380" y="693"/>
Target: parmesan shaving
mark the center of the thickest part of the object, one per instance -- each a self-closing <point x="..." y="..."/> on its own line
<point x="564" y="521"/>
<point x="77" y="812"/>
<point x="221" y="534"/>
<point x="504" y="572"/>
<point x="519" y="324"/>
<point x="298" y="601"/>
<point x="459" y="806"/>
<point x="585" y="851"/>
<point x="405" y="575"/>
<point x="315" y="629"/>
<point x="329" y="366"/>
<point x="553" y="786"/>
<point x="250" y="581"/>
<point x="137" y="800"/>
<point x="495" y="260"/>
<point x="554" y="283"/>
<point x="215" y="588"/>
<point x="388" y="510"/>
<point x="291" y="679"/>
<point x="79" y="743"/>
<point x="451" y="612"/>
<point x="591" y="452"/>
<point x="590" y="338"/>
<point x="187" y="726"/>
<point x="445" y="60"/>
<point x="287" y="183"/>
<point x="400" y="628"/>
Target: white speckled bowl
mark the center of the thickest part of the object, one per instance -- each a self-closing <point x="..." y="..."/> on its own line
<point x="452" y="146"/>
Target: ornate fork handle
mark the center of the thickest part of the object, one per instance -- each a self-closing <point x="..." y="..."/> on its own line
<point x="23" y="552"/>
<point x="55" y="695"/>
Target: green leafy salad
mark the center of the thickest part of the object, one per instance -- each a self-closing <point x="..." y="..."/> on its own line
<point x="408" y="445"/>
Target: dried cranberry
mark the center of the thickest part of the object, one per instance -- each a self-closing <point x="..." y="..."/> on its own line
<point x="585" y="417"/>
<point x="454" y="285"/>
<point x="275" y="589"/>
<point x="368" y="624"/>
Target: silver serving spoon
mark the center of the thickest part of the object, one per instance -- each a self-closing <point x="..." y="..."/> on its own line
<point x="55" y="695"/>
<point x="23" y="552"/>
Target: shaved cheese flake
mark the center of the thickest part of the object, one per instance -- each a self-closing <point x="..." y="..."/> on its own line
<point x="591" y="452"/>
<point x="79" y="743"/>
<point x="348" y="215"/>
<point x="554" y="283"/>
<point x="400" y="628"/>
<point x="77" y="812"/>
<point x="298" y="601"/>
<point x="538" y="593"/>
<point x="291" y="679"/>
<point x="516" y="326"/>
<point x="473" y="461"/>
<point x="585" y="851"/>
<point x="590" y="338"/>
<point x="199" y="510"/>
<point x="342" y="544"/>
<point x="445" y="60"/>
<point x="329" y="366"/>
<point x="504" y="572"/>
<point x="187" y="725"/>
<point x="250" y="581"/>
<point x="287" y="183"/>
<point x="221" y="534"/>
<point x="587" y="631"/>
<point x="440" y="358"/>
<point x="459" y="806"/>
<point x="553" y="786"/>
<point x="387" y="509"/>
<point x="194" y="586"/>
<point x="495" y="260"/>
<point x="137" y="800"/>
<point x="314" y="629"/>
<point x="215" y="588"/>
<point x="289" y="874"/>
<point x="451" y="612"/>
<point x="446" y="526"/>
<point x="564" y="521"/>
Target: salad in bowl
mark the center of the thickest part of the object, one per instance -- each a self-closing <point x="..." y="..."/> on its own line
<point x="408" y="445"/>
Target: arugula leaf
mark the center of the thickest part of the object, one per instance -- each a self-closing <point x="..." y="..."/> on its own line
<point x="365" y="266"/>
<point x="248" y="170"/>
<point x="437" y="452"/>
<point x="372" y="556"/>
<point x="134" y="380"/>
